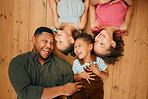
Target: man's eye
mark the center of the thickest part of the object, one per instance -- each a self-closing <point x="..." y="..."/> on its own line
<point x="45" y="40"/>
<point x="60" y="42"/>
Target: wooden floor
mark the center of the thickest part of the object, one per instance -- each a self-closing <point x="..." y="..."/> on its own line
<point x="128" y="79"/>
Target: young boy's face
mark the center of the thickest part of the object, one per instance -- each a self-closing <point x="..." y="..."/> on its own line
<point x="81" y="48"/>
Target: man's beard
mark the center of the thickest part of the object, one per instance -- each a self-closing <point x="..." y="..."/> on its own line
<point x="38" y="53"/>
<point x="42" y="57"/>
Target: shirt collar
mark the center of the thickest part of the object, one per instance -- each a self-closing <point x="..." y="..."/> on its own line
<point x="34" y="55"/>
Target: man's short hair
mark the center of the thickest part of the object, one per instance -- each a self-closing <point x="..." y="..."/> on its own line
<point x="40" y="30"/>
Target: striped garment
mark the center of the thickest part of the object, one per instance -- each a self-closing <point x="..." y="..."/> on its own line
<point x="78" y="68"/>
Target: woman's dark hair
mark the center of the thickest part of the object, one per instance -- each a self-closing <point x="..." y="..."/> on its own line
<point x="68" y="50"/>
<point x="114" y="53"/>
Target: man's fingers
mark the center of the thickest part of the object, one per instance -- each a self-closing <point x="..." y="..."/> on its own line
<point x="79" y="83"/>
<point x="80" y="86"/>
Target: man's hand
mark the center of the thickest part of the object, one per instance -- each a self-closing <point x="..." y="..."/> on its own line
<point x="71" y="88"/>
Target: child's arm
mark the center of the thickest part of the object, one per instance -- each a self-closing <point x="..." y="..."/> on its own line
<point x="92" y="16"/>
<point x="95" y="2"/>
<point x="85" y="75"/>
<point x="53" y="5"/>
<point x="83" y="21"/>
<point x="129" y="12"/>
<point x="94" y="68"/>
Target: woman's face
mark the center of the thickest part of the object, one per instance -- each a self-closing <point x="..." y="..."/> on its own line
<point x="103" y="41"/>
<point x="63" y="41"/>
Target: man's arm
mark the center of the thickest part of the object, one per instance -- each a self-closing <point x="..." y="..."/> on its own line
<point x="21" y="81"/>
<point x="67" y="90"/>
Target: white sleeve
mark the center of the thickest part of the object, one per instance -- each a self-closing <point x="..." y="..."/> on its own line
<point x="74" y="67"/>
<point x="101" y="64"/>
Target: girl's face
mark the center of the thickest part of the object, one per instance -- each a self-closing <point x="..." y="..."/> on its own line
<point x="82" y="48"/>
<point x="62" y="40"/>
<point x="103" y="41"/>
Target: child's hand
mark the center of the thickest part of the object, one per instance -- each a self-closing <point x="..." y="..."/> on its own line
<point x="114" y="1"/>
<point x="87" y="76"/>
<point x="94" y="68"/>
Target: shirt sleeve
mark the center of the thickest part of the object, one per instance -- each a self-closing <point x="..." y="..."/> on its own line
<point x="21" y="82"/>
<point x="67" y="71"/>
<point x="75" y="65"/>
<point x="101" y="64"/>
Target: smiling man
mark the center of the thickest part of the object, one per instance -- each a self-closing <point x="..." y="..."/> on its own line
<point x="39" y="74"/>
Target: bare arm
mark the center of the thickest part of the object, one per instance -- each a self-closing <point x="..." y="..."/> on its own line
<point x="103" y="75"/>
<point x="83" y="21"/>
<point x="92" y="16"/>
<point x="67" y="89"/>
<point x="129" y="12"/>
<point x="95" y="2"/>
<point x="53" y="5"/>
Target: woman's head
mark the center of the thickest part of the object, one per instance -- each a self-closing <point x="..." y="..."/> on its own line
<point x="112" y="48"/>
<point x="64" y="42"/>
<point x="83" y="45"/>
<point x="103" y="41"/>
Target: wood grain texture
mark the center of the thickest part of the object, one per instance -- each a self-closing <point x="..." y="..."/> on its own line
<point x="128" y="78"/>
<point x="6" y="10"/>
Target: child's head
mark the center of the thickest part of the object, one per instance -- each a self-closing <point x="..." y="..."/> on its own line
<point x="64" y="42"/>
<point x="83" y="45"/>
<point x="108" y="47"/>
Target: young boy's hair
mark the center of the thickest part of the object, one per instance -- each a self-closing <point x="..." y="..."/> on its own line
<point x="86" y="37"/>
<point x="116" y="52"/>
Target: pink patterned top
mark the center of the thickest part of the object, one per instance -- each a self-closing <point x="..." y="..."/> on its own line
<point x="111" y="15"/>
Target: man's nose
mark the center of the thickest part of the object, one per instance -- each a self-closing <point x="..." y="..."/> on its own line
<point x="48" y="45"/>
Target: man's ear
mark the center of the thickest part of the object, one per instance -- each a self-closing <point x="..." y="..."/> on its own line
<point x="91" y="46"/>
<point x="113" y="44"/>
<point x="71" y="40"/>
<point x="33" y="40"/>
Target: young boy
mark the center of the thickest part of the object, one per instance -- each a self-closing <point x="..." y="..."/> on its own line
<point x="88" y="69"/>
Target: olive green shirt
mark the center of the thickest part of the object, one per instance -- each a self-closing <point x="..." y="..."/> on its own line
<point x="29" y="78"/>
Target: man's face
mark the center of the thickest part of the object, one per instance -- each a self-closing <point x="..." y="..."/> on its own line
<point x="43" y="44"/>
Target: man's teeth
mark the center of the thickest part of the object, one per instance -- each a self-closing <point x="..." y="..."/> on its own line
<point x="45" y="50"/>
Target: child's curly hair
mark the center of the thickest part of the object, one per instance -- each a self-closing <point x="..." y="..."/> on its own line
<point x="116" y="52"/>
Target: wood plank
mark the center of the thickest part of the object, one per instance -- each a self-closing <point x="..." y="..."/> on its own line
<point x="122" y="69"/>
<point x="6" y="10"/>
<point x="20" y="29"/>
<point x="37" y="17"/>
<point x="139" y="80"/>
